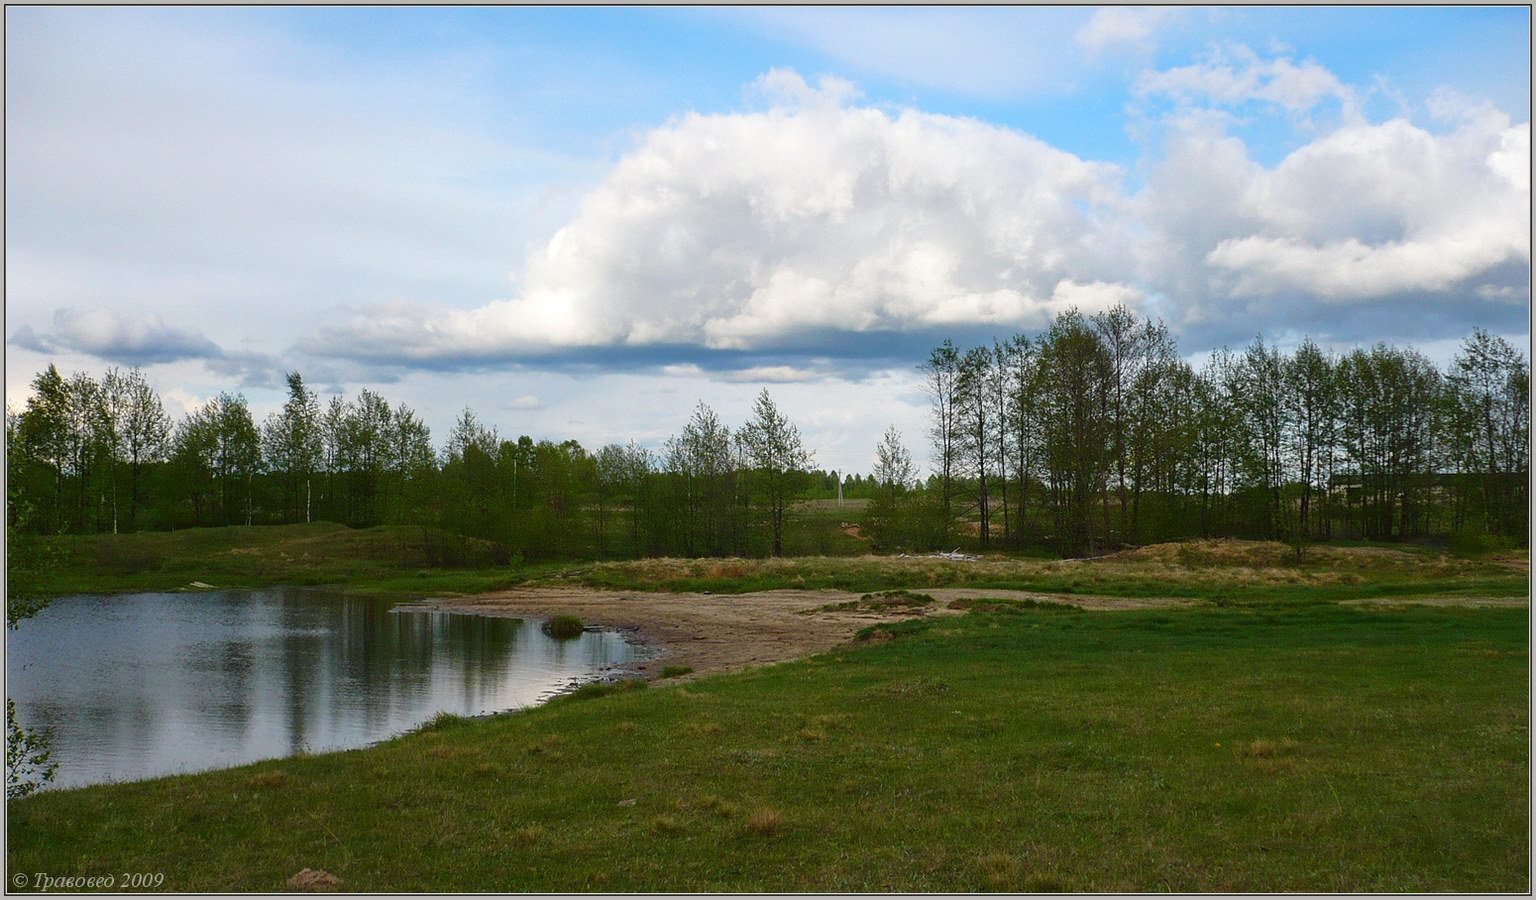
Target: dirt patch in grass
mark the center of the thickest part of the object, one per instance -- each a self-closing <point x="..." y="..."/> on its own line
<point x="708" y="632"/>
<point x="727" y="632"/>
<point x="949" y="596"/>
<point x="1513" y="560"/>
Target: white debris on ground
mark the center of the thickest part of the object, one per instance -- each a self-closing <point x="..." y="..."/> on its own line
<point x="954" y="555"/>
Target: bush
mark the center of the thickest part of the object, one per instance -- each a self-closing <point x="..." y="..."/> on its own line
<point x="675" y="671"/>
<point x="1008" y="606"/>
<point x="888" y="630"/>
<point x="595" y="689"/>
<point x="442" y="722"/>
<point x="564" y="627"/>
<point x="1474" y="541"/>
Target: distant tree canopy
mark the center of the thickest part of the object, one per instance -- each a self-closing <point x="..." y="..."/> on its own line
<point x="1092" y="434"/>
<point x="1096" y="433"/>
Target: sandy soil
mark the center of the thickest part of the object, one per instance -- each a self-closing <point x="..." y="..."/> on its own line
<point x="722" y="633"/>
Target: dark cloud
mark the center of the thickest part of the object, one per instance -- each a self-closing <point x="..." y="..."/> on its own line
<point x="133" y="341"/>
<point x="253" y="370"/>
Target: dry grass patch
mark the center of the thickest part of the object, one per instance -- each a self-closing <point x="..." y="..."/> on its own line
<point x="999" y="870"/>
<point x="627" y="727"/>
<point x="712" y="804"/>
<point x="701" y="728"/>
<point x="267" y="780"/>
<point x="668" y="825"/>
<point x="528" y="835"/>
<point x="545" y="746"/>
<point x="1264" y="748"/>
<point x="765" y="823"/>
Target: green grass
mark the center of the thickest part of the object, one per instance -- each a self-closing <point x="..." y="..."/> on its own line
<point x="1300" y="747"/>
<point x="379" y="560"/>
<point x="564" y="627"/>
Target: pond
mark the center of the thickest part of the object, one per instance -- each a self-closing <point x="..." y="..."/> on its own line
<point x="139" y="685"/>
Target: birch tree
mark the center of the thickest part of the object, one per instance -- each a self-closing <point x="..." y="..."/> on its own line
<point x="777" y="456"/>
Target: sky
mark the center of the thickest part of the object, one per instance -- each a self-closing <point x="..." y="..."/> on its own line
<point x="583" y="222"/>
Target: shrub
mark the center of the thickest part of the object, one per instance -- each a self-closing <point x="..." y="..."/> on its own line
<point x="1002" y="605"/>
<point x="885" y="599"/>
<point x="595" y="689"/>
<point x="564" y="627"/>
<point x="886" y="631"/>
<point x="675" y="671"/>
<point x="442" y="722"/>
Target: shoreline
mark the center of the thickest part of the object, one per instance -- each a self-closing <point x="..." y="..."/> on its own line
<point x="716" y="633"/>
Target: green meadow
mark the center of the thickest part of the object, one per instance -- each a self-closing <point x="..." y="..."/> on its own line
<point x="1298" y="746"/>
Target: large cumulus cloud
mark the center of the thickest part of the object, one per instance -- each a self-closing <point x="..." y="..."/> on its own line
<point x="751" y="230"/>
<point x="818" y="223"/>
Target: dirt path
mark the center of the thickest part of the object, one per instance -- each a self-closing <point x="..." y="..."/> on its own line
<point x="726" y="632"/>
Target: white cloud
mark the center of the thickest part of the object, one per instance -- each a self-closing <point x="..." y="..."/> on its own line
<point x="1115" y="26"/>
<point x="1235" y="75"/>
<point x="1095" y="296"/>
<point x="741" y="231"/>
<point x="819" y="220"/>
<point x="772" y="375"/>
<point x="1372" y="211"/>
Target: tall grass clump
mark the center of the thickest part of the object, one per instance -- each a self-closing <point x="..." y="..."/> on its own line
<point x="564" y="627"/>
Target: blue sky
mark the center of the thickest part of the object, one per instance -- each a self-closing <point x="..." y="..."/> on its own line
<point x="581" y="221"/>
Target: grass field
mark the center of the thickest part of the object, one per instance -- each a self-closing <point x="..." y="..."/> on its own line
<point x="1310" y="747"/>
<point x="1271" y="737"/>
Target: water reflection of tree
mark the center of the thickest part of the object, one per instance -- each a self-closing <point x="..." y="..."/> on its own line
<point x="224" y="678"/>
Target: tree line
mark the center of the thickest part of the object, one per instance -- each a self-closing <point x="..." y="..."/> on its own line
<point x="90" y="455"/>
<point x="1093" y="434"/>
<point x="1096" y="433"/>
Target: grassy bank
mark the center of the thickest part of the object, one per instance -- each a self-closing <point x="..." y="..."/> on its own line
<point x="384" y="560"/>
<point x="391" y="561"/>
<point x="1222" y="571"/>
<point x="1297" y="747"/>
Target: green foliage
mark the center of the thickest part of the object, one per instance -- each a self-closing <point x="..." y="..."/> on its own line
<point x="675" y="671"/>
<point x="28" y="753"/>
<point x="564" y="627"/>
<point x="443" y="721"/>
<point x="28" y="756"/>
<point x="592" y="690"/>
<point x="1090" y="437"/>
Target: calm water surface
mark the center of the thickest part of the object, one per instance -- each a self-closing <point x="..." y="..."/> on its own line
<point x="141" y="685"/>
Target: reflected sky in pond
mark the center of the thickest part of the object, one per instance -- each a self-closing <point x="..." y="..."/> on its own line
<point x="140" y="685"/>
